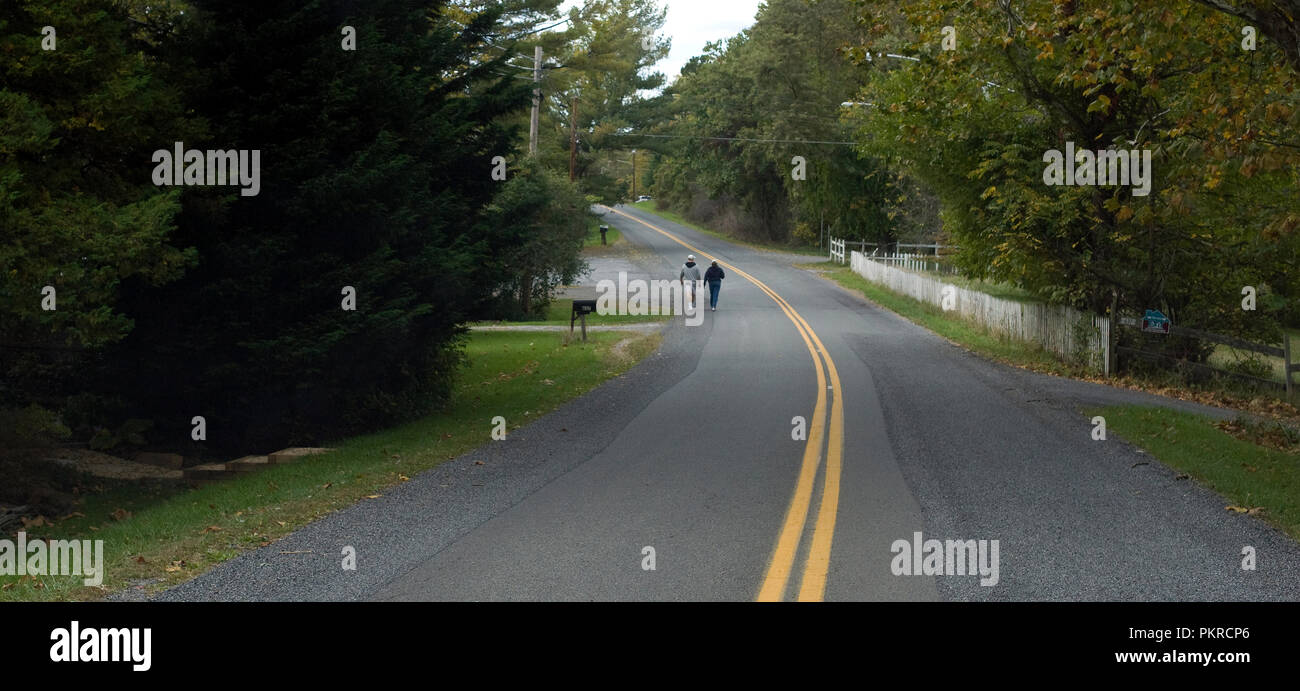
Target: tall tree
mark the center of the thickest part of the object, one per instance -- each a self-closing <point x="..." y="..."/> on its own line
<point x="375" y="166"/>
<point x="976" y="123"/>
<point x="80" y="95"/>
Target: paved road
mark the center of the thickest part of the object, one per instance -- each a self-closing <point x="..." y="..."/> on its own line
<point x="691" y="454"/>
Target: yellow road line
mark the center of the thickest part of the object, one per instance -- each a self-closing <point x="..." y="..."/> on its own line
<point x="813" y="581"/>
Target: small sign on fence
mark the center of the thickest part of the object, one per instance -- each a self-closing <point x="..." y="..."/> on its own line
<point x="1154" y="321"/>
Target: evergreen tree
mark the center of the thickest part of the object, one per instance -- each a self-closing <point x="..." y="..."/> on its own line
<point x="375" y="165"/>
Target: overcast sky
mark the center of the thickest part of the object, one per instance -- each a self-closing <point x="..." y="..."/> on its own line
<point x="692" y="23"/>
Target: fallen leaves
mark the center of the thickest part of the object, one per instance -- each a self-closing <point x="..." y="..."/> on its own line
<point x="120" y="514"/>
<point x="211" y="529"/>
<point x="36" y="522"/>
<point x="1249" y="511"/>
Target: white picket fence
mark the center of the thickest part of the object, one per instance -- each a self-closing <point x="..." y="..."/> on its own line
<point x="837" y="250"/>
<point x="1055" y="327"/>
<point x="914" y="262"/>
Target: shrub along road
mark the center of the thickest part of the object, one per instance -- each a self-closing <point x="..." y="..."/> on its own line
<point x="691" y="454"/>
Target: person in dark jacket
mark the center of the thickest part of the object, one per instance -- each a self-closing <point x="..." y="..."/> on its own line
<point x="714" y="278"/>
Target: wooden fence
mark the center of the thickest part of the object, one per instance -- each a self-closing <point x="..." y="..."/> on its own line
<point x="1074" y="335"/>
<point x="1285" y="352"/>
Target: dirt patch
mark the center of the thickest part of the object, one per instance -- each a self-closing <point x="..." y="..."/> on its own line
<point x="49" y="481"/>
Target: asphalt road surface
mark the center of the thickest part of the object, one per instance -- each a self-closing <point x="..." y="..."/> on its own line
<point x="691" y="454"/>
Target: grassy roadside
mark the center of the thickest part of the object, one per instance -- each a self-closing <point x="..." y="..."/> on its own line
<point x="163" y="536"/>
<point x="1253" y="477"/>
<point x="1035" y="358"/>
<point x="612" y="236"/>
<point x="559" y="311"/>
<point x="959" y="331"/>
<point x="649" y="207"/>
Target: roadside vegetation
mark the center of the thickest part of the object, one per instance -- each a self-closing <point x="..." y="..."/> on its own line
<point x="1225" y="393"/>
<point x="163" y="534"/>
<point x="891" y="122"/>
<point x="399" y="203"/>
<point x="1254" y="465"/>
<point x="796" y="247"/>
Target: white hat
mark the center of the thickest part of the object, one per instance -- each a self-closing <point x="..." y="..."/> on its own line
<point x="690" y="257"/>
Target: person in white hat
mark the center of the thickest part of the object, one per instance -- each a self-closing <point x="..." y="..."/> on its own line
<point x="689" y="276"/>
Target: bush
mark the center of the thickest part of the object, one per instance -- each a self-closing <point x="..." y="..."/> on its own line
<point x="30" y="426"/>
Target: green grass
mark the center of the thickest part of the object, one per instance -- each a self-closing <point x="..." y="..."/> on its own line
<point x="559" y="311"/>
<point x="675" y="217"/>
<point x="960" y="331"/>
<point x="612" y="236"/>
<point x="1225" y="356"/>
<point x="173" y="534"/>
<point x="1248" y="475"/>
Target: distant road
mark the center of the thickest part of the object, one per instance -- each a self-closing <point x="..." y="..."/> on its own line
<point x="691" y="454"/>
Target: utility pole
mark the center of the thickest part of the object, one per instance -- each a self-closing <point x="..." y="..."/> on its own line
<point x="633" y="174"/>
<point x="537" y="100"/>
<point x="573" y="138"/>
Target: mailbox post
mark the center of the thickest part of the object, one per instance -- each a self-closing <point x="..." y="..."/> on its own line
<point x="581" y="308"/>
<point x="603" y="229"/>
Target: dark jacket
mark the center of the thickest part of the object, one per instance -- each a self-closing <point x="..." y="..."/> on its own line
<point x="714" y="274"/>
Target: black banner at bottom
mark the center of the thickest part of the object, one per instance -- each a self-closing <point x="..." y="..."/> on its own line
<point x="157" y="642"/>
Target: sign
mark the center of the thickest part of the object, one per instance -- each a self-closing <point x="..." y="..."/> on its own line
<point x="1155" y="322"/>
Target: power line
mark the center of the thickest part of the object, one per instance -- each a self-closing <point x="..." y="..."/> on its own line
<point x="730" y="139"/>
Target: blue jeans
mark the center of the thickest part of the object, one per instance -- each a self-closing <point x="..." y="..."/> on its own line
<point x="714" y="288"/>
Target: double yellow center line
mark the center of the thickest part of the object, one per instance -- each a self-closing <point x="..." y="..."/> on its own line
<point x="812" y="584"/>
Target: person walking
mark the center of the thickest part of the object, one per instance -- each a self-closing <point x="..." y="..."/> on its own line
<point x="714" y="278"/>
<point x="689" y="276"/>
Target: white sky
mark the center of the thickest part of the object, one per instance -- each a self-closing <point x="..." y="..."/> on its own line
<point x="692" y="23"/>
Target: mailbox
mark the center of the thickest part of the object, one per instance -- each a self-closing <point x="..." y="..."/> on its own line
<point x="581" y="308"/>
<point x="603" y="229"/>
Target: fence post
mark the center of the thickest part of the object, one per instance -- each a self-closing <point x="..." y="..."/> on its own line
<point x="1112" y="336"/>
<point x="1286" y="361"/>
